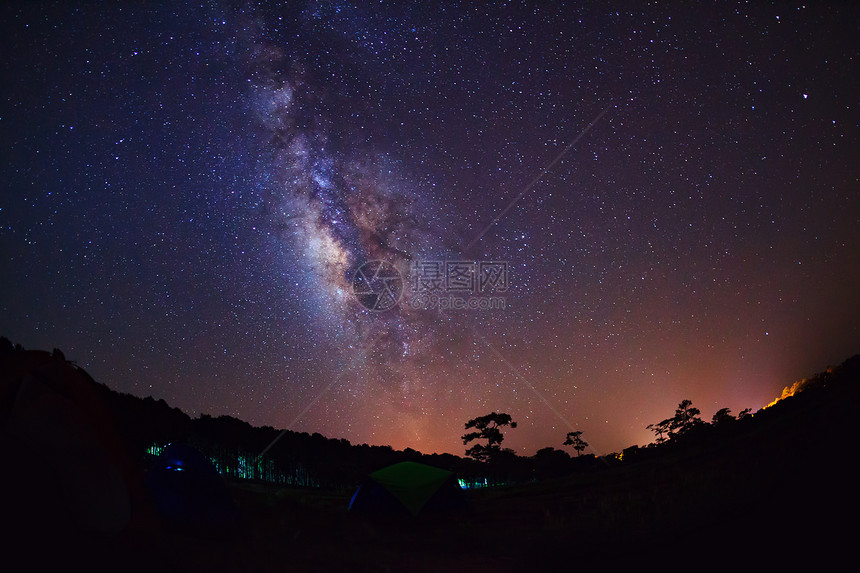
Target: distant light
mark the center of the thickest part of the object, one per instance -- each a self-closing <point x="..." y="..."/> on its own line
<point x="805" y="96"/>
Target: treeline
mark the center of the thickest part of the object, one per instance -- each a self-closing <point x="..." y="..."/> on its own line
<point x="804" y="419"/>
<point x="295" y="458"/>
<point x="313" y="460"/>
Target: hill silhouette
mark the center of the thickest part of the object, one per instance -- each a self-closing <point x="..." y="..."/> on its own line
<point x="765" y="489"/>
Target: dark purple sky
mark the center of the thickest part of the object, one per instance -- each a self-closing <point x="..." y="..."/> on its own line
<point x="187" y="194"/>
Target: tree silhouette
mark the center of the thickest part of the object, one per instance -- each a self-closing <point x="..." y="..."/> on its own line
<point x="686" y="418"/>
<point x="575" y="439"/>
<point x="722" y="416"/>
<point x="661" y="429"/>
<point x="487" y="428"/>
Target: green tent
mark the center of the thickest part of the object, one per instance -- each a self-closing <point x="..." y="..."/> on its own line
<point x="408" y="487"/>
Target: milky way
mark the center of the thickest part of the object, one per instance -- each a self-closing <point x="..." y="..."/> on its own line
<point x="342" y="204"/>
<point x="190" y="195"/>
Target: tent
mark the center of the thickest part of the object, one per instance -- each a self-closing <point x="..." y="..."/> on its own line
<point x="186" y="489"/>
<point x="408" y="488"/>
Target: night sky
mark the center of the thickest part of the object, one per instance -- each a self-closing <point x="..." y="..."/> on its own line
<point x="190" y="195"/>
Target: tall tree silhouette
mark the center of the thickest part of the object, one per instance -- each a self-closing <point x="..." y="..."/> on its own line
<point x="686" y="418"/>
<point x="487" y="428"/>
<point x="575" y="439"/>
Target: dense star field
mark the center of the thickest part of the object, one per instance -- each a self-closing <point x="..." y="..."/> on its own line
<point x="635" y="204"/>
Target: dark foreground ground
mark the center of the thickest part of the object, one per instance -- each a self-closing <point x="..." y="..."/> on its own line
<point x="783" y="493"/>
<point x="659" y="512"/>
